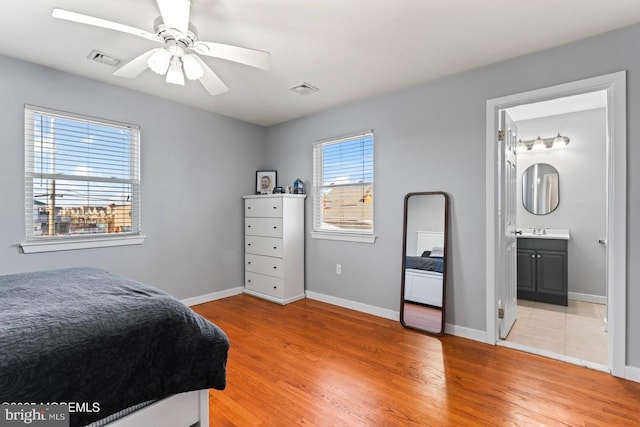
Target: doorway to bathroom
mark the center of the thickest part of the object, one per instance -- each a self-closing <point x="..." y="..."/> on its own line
<point x="597" y="254"/>
<point x="561" y="220"/>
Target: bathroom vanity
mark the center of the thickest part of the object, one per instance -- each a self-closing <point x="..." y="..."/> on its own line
<point x="542" y="266"/>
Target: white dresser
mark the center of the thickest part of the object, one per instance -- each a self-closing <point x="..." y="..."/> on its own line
<point x="274" y="247"/>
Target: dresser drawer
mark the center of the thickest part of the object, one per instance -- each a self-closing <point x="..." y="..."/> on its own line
<point x="269" y="246"/>
<point x="267" y="207"/>
<point x="268" y="285"/>
<point x="267" y="227"/>
<point x="263" y="264"/>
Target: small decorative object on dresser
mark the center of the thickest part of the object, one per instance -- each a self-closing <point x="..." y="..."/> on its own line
<point x="274" y="247"/>
<point x="265" y="182"/>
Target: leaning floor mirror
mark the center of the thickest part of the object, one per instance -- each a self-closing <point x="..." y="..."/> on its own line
<point x="424" y="261"/>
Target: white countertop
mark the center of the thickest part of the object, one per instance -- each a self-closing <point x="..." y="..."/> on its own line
<point x="549" y="233"/>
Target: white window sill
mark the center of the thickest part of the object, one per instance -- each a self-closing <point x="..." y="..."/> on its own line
<point x="80" y="243"/>
<point x="347" y="237"/>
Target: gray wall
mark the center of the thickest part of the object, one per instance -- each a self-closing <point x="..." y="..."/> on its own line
<point x="581" y="167"/>
<point x="432" y="137"/>
<point x="195" y="167"/>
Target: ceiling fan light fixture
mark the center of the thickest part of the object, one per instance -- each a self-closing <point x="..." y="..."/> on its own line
<point x="180" y="43"/>
<point x="175" y="75"/>
<point x="159" y="61"/>
<point x="192" y="68"/>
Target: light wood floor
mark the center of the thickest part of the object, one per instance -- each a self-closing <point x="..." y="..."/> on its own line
<point x="315" y="364"/>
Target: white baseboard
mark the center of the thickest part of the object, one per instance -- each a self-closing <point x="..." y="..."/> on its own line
<point x="464" y="332"/>
<point x="353" y="305"/>
<point x="596" y="299"/>
<point x="459" y="331"/>
<point x="282" y="301"/>
<point x="632" y="374"/>
<point x="212" y="296"/>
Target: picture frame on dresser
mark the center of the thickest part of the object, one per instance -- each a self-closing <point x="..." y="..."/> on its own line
<point x="266" y="181"/>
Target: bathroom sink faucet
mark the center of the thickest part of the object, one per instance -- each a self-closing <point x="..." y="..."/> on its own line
<point x="540" y="230"/>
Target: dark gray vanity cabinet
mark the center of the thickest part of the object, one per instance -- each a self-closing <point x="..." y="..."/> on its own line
<point x="542" y="270"/>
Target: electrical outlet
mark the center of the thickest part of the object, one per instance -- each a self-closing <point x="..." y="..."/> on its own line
<point x="338" y="269"/>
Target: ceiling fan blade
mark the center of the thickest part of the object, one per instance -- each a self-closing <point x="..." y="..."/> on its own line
<point x="210" y="80"/>
<point x="243" y="55"/>
<point x="175" y="14"/>
<point x="99" y="22"/>
<point x="134" y="67"/>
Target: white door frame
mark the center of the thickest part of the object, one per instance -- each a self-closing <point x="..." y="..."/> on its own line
<point x="615" y="85"/>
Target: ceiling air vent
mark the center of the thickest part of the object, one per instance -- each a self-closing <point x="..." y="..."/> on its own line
<point x="304" y="89"/>
<point x="104" y="58"/>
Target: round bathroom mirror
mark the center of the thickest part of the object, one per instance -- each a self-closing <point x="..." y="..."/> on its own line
<point x="540" y="189"/>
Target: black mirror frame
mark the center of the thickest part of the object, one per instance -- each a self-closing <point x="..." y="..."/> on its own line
<point x="524" y="190"/>
<point x="444" y="264"/>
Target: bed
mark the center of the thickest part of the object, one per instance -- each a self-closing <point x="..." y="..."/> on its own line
<point x="108" y="345"/>
<point x="423" y="270"/>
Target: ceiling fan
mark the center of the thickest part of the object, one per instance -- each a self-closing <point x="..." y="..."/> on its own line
<point x="177" y="55"/>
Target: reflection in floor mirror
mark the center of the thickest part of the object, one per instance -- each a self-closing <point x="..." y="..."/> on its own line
<point x="424" y="261"/>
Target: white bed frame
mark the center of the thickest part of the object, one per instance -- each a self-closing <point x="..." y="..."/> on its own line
<point x="179" y="410"/>
<point x="424" y="286"/>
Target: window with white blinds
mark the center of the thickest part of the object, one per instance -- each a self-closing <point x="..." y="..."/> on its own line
<point x="82" y="177"/>
<point x="343" y="187"/>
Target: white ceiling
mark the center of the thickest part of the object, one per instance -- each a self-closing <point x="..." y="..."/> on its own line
<point x="350" y="49"/>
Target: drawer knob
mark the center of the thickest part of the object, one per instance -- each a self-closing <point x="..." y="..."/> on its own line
<point x="275" y="287"/>
<point x="249" y="281"/>
<point x="274" y="227"/>
<point x="275" y="207"/>
<point x="248" y="226"/>
<point x="275" y="247"/>
<point x="249" y="262"/>
<point x="274" y="267"/>
<point x="248" y="207"/>
<point x="539" y="256"/>
<point x="248" y="244"/>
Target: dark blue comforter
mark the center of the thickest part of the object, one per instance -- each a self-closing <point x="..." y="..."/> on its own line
<point x="85" y="335"/>
<point x="424" y="263"/>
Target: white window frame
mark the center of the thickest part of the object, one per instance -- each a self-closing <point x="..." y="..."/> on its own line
<point x="35" y="244"/>
<point x="365" y="236"/>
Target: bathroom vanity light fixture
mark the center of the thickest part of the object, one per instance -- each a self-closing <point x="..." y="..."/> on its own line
<point x="560" y="141"/>
<point x="542" y="143"/>
<point x="538" y="144"/>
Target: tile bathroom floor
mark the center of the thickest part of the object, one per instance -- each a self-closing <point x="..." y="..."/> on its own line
<point x="576" y="330"/>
